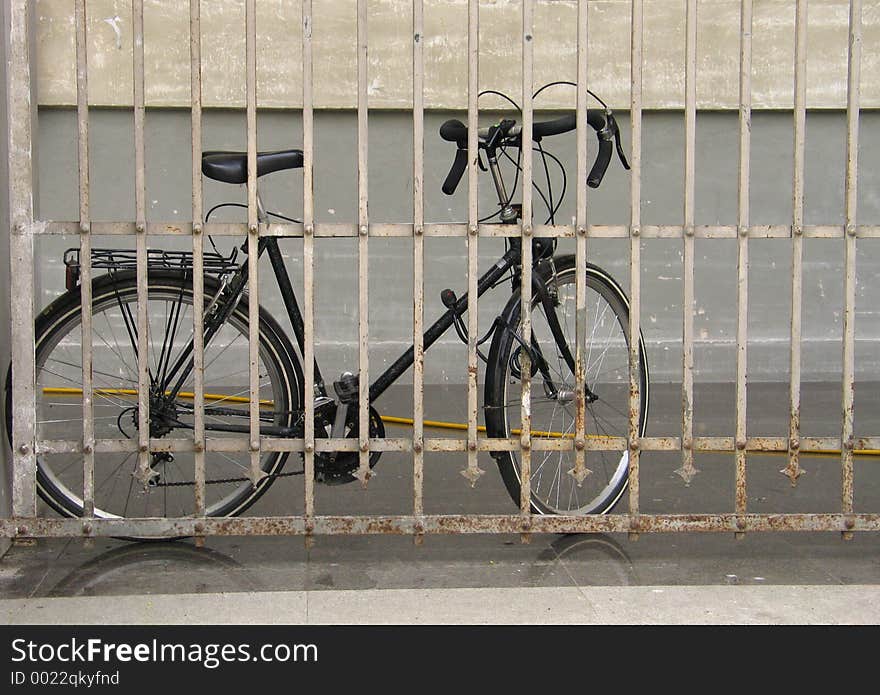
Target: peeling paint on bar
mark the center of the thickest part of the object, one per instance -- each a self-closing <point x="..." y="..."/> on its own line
<point x="635" y="253"/>
<point x="861" y="445"/>
<point x="745" y="127"/>
<point x="363" y="472"/>
<point x="309" y="390"/>
<point x="793" y="470"/>
<point x="390" y="229"/>
<point x="472" y="472"/>
<point x="418" y="115"/>
<point x="256" y="472"/>
<point x="85" y="251"/>
<point x="20" y="113"/>
<point x="198" y="259"/>
<point x="144" y="470"/>
<point x="525" y="469"/>
<point x="849" y="283"/>
<point x="580" y="470"/>
<point x="30" y="527"/>
<point x="687" y="471"/>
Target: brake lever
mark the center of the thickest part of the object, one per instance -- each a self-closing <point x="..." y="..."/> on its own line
<point x="617" y="145"/>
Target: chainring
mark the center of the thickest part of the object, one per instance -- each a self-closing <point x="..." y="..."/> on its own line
<point x="337" y="468"/>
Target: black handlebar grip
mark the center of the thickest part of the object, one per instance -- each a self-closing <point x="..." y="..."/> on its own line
<point x="554" y="127"/>
<point x="564" y="124"/>
<point x="456" y="172"/>
<point x="454" y="131"/>
<point x="597" y="173"/>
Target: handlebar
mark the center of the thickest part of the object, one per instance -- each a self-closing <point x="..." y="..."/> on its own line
<point x="459" y="164"/>
<point x="602" y="121"/>
<point x="600" y="166"/>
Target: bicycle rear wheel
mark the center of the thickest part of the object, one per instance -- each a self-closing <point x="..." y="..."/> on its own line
<point x="118" y="494"/>
<point x="553" y="490"/>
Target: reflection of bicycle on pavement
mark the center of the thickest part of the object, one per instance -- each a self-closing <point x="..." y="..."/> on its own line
<point x="155" y="568"/>
<point x="591" y="559"/>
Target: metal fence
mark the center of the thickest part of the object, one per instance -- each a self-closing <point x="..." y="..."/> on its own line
<point x="25" y="229"/>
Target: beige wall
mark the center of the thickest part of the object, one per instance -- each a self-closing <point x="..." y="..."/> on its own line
<point x="279" y="71"/>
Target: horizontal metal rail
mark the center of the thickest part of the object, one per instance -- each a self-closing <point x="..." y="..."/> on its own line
<point x="864" y="446"/>
<point x="434" y="524"/>
<point x="407" y="230"/>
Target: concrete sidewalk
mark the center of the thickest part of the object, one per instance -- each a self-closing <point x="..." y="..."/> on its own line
<point x="537" y="605"/>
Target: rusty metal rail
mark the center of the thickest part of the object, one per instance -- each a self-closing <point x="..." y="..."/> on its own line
<point x="25" y="229"/>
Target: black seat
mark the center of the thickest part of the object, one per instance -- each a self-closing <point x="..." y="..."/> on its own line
<point x="231" y="167"/>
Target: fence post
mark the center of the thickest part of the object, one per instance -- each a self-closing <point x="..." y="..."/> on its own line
<point x="20" y="105"/>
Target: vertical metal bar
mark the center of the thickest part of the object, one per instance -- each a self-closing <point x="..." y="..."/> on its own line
<point x="363" y="472"/>
<point x="792" y="470"/>
<point x="688" y="470"/>
<point x="418" y="87"/>
<point x="528" y="11"/>
<point x="85" y="254"/>
<point x="635" y="258"/>
<point x="195" y="44"/>
<point x="308" y="259"/>
<point x="21" y="258"/>
<point x="745" y="125"/>
<point x="144" y="471"/>
<point x="580" y="470"/>
<point x="849" y="293"/>
<point x="473" y="471"/>
<point x="253" y="243"/>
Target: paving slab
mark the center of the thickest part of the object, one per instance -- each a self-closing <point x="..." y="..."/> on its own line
<point x="713" y="605"/>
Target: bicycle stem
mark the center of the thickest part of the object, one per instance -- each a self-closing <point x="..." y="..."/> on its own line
<point x="508" y="212"/>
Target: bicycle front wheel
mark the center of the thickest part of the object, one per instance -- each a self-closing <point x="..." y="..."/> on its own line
<point x="170" y="492"/>
<point x="606" y="353"/>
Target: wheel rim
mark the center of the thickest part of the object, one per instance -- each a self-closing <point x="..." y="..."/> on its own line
<point x="554" y="489"/>
<point x="117" y="493"/>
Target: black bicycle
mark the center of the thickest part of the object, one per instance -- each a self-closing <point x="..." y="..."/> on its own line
<point x="229" y="488"/>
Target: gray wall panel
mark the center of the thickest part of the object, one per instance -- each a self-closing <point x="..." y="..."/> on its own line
<point x="391" y="201"/>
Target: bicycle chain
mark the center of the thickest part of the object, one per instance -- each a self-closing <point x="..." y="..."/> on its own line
<point x="220" y="481"/>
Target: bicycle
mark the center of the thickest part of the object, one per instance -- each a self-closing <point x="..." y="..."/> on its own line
<point x="230" y="489"/>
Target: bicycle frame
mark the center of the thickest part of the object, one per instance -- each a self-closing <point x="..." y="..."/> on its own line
<point x="510" y="260"/>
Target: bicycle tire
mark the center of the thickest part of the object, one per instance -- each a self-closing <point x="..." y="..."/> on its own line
<point x="603" y="487"/>
<point x="63" y="318"/>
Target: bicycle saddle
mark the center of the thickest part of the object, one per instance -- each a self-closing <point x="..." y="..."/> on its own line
<point x="231" y="167"/>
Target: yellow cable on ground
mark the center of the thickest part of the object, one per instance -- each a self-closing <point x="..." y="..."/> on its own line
<point x="436" y="424"/>
<point x="441" y="425"/>
<point x="133" y="392"/>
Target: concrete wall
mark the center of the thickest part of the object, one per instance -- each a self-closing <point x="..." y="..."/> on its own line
<point x="279" y="87"/>
<point x="168" y="198"/>
<point x="166" y="47"/>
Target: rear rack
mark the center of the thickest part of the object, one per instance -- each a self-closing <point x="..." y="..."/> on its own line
<point x="157" y="259"/>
